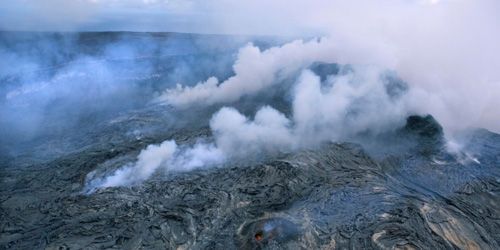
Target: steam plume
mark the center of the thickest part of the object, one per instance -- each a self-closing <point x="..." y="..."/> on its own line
<point x="447" y="51"/>
<point x="341" y="107"/>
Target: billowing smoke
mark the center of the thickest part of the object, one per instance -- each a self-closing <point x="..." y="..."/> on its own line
<point x="342" y="106"/>
<point x="254" y="71"/>
<point x="167" y="154"/>
<point x="147" y="162"/>
<point x="446" y="51"/>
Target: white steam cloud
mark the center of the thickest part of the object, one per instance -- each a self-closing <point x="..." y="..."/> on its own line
<point x="336" y="109"/>
<point x="254" y="71"/>
<point x="447" y="51"/>
<point x="150" y="159"/>
<point x="147" y="162"/>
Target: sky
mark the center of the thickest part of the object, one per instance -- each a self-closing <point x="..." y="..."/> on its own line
<point x="99" y="15"/>
<point x="188" y="16"/>
<point x="278" y="17"/>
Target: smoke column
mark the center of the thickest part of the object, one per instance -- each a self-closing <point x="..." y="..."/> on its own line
<point x="446" y="51"/>
<point x="336" y="109"/>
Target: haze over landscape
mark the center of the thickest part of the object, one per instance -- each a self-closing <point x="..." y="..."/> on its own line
<point x="238" y="118"/>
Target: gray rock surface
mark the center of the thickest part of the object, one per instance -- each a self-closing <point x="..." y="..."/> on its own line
<point x="397" y="190"/>
<point x="335" y="196"/>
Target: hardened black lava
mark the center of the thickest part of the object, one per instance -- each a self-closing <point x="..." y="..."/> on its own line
<point x="336" y="196"/>
<point x="398" y="190"/>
